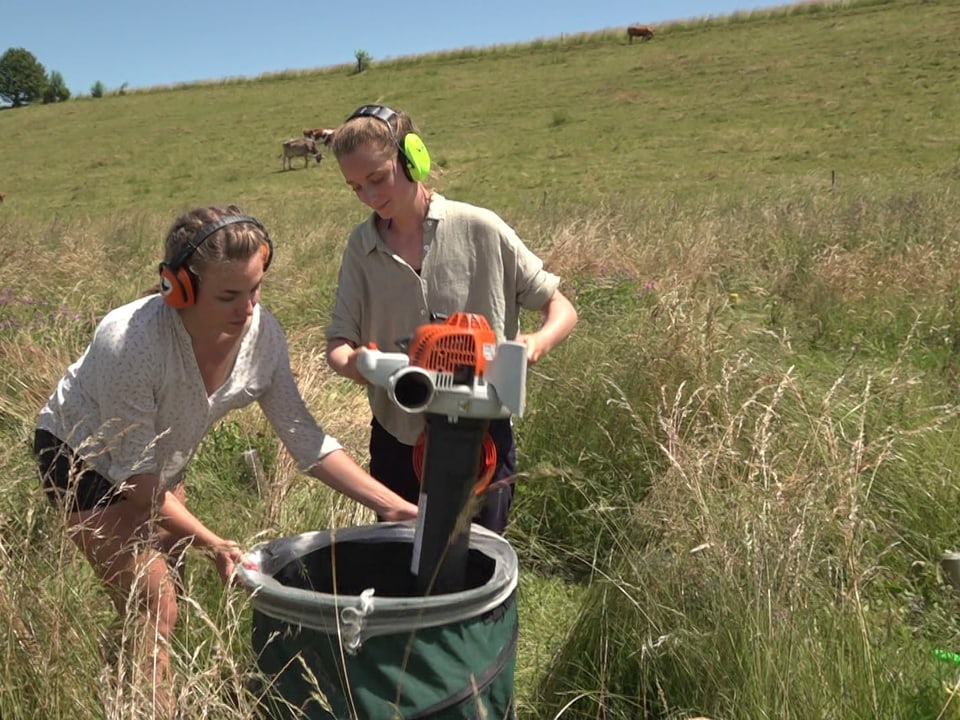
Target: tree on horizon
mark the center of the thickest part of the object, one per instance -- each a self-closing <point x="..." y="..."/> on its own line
<point x="22" y="78"/>
<point x="56" y="89"/>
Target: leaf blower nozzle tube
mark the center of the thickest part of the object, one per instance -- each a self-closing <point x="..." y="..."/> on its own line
<point x="412" y="389"/>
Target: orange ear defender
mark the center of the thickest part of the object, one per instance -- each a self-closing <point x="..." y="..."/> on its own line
<point x="178" y="285"/>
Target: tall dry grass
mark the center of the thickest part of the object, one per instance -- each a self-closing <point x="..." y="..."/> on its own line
<point x="743" y="517"/>
<point x="758" y="476"/>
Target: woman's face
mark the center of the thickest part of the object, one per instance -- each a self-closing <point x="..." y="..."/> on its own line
<point x="226" y="297"/>
<point x="376" y="177"/>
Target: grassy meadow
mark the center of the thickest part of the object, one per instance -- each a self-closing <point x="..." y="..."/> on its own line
<point x="740" y="471"/>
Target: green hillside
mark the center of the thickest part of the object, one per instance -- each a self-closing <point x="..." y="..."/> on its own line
<point x="733" y="106"/>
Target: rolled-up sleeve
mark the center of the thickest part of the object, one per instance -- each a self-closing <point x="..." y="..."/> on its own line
<point x="534" y="285"/>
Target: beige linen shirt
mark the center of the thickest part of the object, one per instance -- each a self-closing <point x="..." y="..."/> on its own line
<point x="135" y="401"/>
<point x="472" y="262"/>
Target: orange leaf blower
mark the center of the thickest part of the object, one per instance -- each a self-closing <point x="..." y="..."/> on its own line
<point x="460" y="378"/>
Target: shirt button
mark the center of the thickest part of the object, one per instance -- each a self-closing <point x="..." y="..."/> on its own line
<point x="422" y="313"/>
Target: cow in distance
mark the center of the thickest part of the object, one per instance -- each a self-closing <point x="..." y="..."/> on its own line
<point x="323" y="135"/>
<point x="644" y="32"/>
<point x="299" y="147"/>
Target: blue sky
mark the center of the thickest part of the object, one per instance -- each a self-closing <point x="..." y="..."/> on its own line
<point x="142" y="44"/>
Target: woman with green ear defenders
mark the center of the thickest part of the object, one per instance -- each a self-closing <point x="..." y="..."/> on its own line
<point x="419" y="255"/>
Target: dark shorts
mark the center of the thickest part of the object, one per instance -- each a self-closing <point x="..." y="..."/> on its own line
<point x="391" y="462"/>
<point x="68" y="482"/>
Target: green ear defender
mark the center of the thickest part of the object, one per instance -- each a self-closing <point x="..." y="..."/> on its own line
<point x="414" y="158"/>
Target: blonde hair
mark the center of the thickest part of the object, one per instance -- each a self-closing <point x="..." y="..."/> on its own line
<point x="360" y="130"/>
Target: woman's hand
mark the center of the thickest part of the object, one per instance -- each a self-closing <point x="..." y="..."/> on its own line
<point x="226" y="557"/>
<point x="351" y="370"/>
<point x="406" y="511"/>
<point x="559" y="319"/>
<point x="342" y="359"/>
<point x="341" y="472"/>
<point x="535" y="349"/>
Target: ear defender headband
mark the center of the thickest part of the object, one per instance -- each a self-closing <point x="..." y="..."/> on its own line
<point x="414" y="158"/>
<point x="178" y="285"/>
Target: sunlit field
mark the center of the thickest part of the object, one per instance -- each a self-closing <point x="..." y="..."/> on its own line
<point x="738" y="474"/>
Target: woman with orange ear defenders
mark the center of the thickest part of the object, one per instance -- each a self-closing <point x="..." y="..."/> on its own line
<point x="115" y="436"/>
<point x="416" y="256"/>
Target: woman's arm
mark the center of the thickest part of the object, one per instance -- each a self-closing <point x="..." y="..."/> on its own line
<point x="559" y="318"/>
<point x="146" y="495"/>
<point x="306" y="440"/>
<point x="339" y="471"/>
<point x="342" y="359"/>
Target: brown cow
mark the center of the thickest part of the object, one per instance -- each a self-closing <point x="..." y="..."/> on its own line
<point x="324" y="135"/>
<point x="299" y="147"/>
<point x="2" y="196"/>
<point x="644" y="32"/>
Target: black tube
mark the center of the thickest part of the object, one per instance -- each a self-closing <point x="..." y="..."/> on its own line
<point x="450" y="467"/>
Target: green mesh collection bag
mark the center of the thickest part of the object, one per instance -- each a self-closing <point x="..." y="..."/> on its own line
<point x="339" y="632"/>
